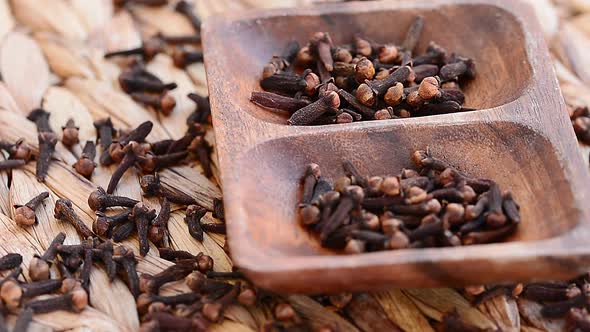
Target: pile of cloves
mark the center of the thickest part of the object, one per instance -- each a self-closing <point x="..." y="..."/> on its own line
<point x="322" y="83"/>
<point x="433" y="206"/>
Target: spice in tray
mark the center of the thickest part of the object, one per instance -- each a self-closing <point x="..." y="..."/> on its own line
<point x="324" y="83"/>
<point x="433" y="206"/>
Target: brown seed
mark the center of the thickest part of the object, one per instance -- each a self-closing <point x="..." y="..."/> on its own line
<point x="344" y="118"/>
<point x="85" y="165"/>
<point x="99" y="200"/>
<point x="383" y="114"/>
<point x="65" y="212"/>
<point x="364" y="70"/>
<point x="39" y="266"/>
<point x="304" y="56"/>
<point x="24" y="215"/>
<point x="429" y="88"/>
<point x="394" y="95"/>
<point x="354" y="246"/>
<point x="388" y="54"/>
<point x="314" y="110"/>
<point x="284" y="312"/>
<point x="390" y="186"/>
<point x="342" y="55"/>
<point x="362" y="46"/>
<point x="310" y="215"/>
<point x="413" y="99"/>
<point x="70" y="134"/>
<point x="247" y="297"/>
<point x="398" y="240"/>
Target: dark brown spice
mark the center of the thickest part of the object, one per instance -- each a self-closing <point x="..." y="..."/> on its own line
<point x="182" y="57"/>
<point x="47" y="142"/>
<point x="194" y="213"/>
<point x="69" y="136"/>
<point x="164" y="103"/>
<point x="151" y="283"/>
<point x="151" y="186"/>
<point x="99" y="200"/>
<point x="142" y="215"/>
<point x="151" y="163"/>
<point x="124" y="257"/>
<point x="75" y="301"/>
<point x="148" y="50"/>
<point x="132" y="151"/>
<point x="65" y="212"/>
<point x="159" y="226"/>
<point x="24" y="215"/>
<point x="278" y="102"/>
<point x="85" y="165"/>
<point x="39" y="265"/>
<point x="10" y="261"/>
<point x="106" y="132"/>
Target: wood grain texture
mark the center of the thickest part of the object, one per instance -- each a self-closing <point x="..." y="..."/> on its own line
<point x="521" y="137"/>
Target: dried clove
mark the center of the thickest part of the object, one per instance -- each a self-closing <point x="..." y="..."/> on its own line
<point x="313" y="111"/>
<point x="39" y="265"/>
<point x="194" y="213"/>
<point x="182" y="57"/>
<point x="132" y="152"/>
<point x="134" y="81"/>
<point x="99" y="200"/>
<point x="47" y="142"/>
<point x="278" y="102"/>
<point x="125" y="258"/>
<point x="151" y="283"/>
<point x="159" y="226"/>
<point x="105" y="136"/>
<point x="10" y="261"/>
<point x="65" y="212"/>
<point x="148" y="49"/>
<point x="74" y="301"/>
<point x="151" y="186"/>
<point x="85" y="165"/>
<point x="163" y="102"/>
<point x="18" y="150"/>
<point x="69" y="136"/>
<point x="24" y="215"/>
<point x="142" y="215"/>
<point x="150" y="162"/>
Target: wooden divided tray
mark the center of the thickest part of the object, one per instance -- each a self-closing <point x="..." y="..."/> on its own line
<point x="520" y="136"/>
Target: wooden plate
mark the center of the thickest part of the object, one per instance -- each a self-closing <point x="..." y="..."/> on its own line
<point x="521" y="137"/>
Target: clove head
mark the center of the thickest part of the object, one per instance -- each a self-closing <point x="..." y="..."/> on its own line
<point x="150" y="184"/>
<point x="11" y="294"/>
<point x="38" y="269"/>
<point x="25" y="216"/>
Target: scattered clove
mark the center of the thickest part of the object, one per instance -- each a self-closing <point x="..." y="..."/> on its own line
<point x="65" y="212"/>
<point x="151" y="186"/>
<point x="24" y="215"/>
<point x="69" y="136"/>
<point x="194" y="213"/>
<point x="85" y="165"/>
